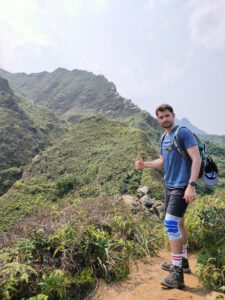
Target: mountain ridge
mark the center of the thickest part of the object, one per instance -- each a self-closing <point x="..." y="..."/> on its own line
<point x="77" y="93"/>
<point x="185" y="122"/>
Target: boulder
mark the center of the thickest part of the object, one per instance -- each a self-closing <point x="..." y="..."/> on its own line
<point x="128" y="201"/>
<point x="160" y="208"/>
<point x="146" y="201"/>
<point x="141" y="191"/>
<point x="149" y="203"/>
<point x="157" y="203"/>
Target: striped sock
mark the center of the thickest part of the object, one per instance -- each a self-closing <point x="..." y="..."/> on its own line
<point x="177" y="259"/>
<point x="184" y="253"/>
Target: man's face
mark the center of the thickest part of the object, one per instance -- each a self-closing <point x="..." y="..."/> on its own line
<point x="166" y="118"/>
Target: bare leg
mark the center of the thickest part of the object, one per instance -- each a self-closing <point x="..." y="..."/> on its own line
<point x="183" y="231"/>
<point x="176" y="246"/>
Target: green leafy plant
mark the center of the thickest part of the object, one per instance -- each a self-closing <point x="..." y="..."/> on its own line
<point x="55" y="284"/>
<point x="207" y="233"/>
<point x="15" y="278"/>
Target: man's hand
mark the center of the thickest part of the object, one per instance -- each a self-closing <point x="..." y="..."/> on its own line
<point x="139" y="164"/>
<point x="190" y="194"/>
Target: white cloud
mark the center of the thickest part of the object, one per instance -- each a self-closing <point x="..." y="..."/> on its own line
<point x="207" y="23"/>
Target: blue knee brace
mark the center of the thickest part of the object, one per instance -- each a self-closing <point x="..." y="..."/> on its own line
<point x="172" y="227"/>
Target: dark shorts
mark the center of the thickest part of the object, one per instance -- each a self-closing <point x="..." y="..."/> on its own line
<point x="174" y="202"/>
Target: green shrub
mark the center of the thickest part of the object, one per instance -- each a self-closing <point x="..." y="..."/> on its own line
<point x="107" y="255"/>
<point x="66" y="184"/>
<point x="205" y="223"/>
<point x="63" y="238"/>
<point x="15" y="279"/>
<point x="55" y="284"/>
<point x="130" y="182"/>
<point x="67" y="263"/>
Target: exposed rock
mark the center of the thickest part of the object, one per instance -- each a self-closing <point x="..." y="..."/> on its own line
<point x="154" y="217"/>
<point x="157" y="203"/>
<point x="4" y="86"/>
<point x="156" y="211"/>
<point x="141" y="191"/>
<point x="145" y="204"/>
<point x="136" y="209"/>
<point x="36" y="159"/>
<point x="147" y="201"/>
<point x="160" y="208"/>
<point x="128" y="201"/>
<point x="118" y="198"/>
<point x="161" y="215"/>
<point x="143" y="199"/>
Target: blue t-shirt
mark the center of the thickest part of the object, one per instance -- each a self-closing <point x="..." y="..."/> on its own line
<point x="177" y="169"/>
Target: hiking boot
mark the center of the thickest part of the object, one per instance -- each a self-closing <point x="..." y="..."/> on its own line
<point x="185" y="266"/>
<point x="175" y="279"/>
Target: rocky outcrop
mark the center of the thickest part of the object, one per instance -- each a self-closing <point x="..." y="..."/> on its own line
<point x="143" y="203"/>
<point x="4" y="86"/>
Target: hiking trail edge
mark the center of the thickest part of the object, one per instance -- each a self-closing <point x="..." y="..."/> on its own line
<point x="143" y="283"/>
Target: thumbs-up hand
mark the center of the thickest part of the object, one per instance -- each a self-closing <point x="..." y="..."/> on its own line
<point x="139" y="164"/>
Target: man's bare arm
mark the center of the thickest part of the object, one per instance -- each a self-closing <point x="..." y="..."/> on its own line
<point x="190" y="194"/>
<point x="196" y="162"/>
<point x="140" y="164"/>
<point x="156" y="164"/>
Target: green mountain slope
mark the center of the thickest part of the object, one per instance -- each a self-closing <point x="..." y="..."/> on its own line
<point x="76" y="94"/>
<point x="213" y="138"/>
<point x="25" y="129"/>
<point x="95" y="158"/>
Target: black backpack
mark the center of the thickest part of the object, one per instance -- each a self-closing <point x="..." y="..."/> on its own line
<point x="207" y="161"/>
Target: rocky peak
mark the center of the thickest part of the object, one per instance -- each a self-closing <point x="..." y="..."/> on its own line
<point x="4" y="86"/>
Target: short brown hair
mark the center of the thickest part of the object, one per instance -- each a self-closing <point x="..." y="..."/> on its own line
<point x="163" y="107"/>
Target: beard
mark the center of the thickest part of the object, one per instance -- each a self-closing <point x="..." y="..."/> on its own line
<point x="167" y="125"/>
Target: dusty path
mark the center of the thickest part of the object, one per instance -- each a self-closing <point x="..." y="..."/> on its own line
<point x="143" y="283"/>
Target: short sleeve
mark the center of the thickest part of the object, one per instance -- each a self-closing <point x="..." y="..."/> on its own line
<point x="187" y="138"/>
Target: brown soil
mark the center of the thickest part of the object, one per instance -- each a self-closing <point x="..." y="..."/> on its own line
<point x="143" y="283"/>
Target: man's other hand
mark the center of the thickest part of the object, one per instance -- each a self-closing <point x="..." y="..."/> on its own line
<point x="190" y="194"/>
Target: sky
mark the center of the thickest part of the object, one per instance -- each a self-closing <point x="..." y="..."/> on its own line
<point x="155" y="51"/>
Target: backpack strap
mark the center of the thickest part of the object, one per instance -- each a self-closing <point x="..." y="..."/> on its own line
<point x="176" y="142"/>
<point x="162" y="138"/>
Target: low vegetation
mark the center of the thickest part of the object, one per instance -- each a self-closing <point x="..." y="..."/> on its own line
<point x="205" y="222"/>
<point x="58" y="259"/>
<point x="95" y="158"/>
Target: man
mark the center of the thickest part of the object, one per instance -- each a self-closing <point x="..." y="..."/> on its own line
<point x="180" y="175"/>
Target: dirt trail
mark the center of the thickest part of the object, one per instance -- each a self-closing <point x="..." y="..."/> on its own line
<point x="143" y="283"/>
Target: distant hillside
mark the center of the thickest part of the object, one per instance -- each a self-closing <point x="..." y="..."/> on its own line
<point x="188" y="124"/>
<point x="76" y="94"/>
<point x="96" y="158"/>
<point x="217" y="139"/>
<point x="25" y="129"/>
